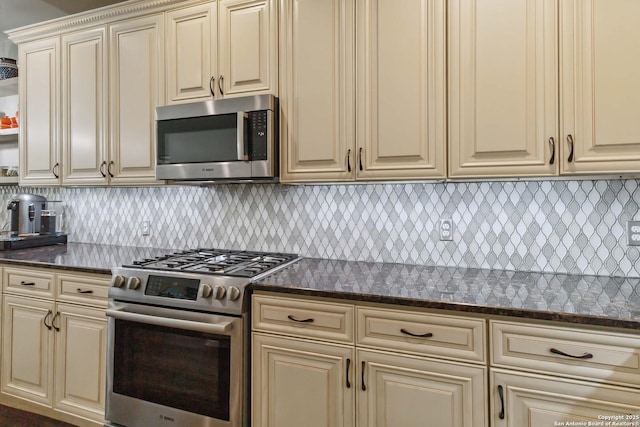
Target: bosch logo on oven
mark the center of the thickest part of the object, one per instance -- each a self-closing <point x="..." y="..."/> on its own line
<point x="165" y="418"/>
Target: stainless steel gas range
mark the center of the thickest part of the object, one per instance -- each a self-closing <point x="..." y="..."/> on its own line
<point x="178" y="338"/>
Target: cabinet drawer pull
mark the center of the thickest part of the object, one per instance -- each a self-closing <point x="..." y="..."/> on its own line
<point x="55" y="168"/>
<point x="364" y="386"/>
<point x="570" y="141"/>
<point x="552" y="142"/>
<point x="23" y="283"/>
<point x="349" y="160"/>
<point x="360" y="158"/>
<point x="49" y="313"/>
<point x="212" y="86"/>
<point x="84" y="291"/>
<point x="102" y="165"/>
<point x="501" y="394"/>
<point x="348" y="367"/>
<point x="109" y="169"/>
<point x="562" y="353"/>
<point x="220" y="84"/>
<point x="427" y="335"/>
<point x="309" y="320"/>
<point x="53" y="322"/>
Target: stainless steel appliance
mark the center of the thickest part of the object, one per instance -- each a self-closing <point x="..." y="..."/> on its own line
<point x="26" y="211"/>
<point x="223" y="140"/>
<point x="178" y="351"/>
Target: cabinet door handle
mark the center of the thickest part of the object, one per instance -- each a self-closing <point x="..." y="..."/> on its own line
<point x="363" y="386"/>
<point x="109" y="169"/>
<point x="212" y="86"/>
<point x="53" y="322"/>
<point x="360" y="157"/>
<point x="309" y="320"/>
<point x="49" y="313"/>
<point x="84" y="291"/>
<point x="55" y="168"/>
<point x="427" y="335"/>
<point x="552" y="142"/>
<point x="23" y="283"/>
<point x="562" y="353"/>
<point x="349" y="160"/>
<point x="348" y="367"/>
<point x="570" y="141"/>
<point x="102" y="165"/>
<point x="501" y="394"/>
<point x="220" y="84"/>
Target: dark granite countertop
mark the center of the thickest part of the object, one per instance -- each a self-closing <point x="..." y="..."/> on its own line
<point x="593" y="300"/>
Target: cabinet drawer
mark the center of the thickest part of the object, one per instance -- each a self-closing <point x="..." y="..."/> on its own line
<point x="28" y="282"/>
<point x="444" y="336"/>
<point x="303" y="318"/>
<point x="609" y="356"/>
<point x="86" y="290"/>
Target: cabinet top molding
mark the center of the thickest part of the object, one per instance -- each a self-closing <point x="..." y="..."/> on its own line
<point x="107" y="14"/>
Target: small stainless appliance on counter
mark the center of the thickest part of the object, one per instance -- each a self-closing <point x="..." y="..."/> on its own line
<point x="178" y="338"/>
<point x="32" y="223"/>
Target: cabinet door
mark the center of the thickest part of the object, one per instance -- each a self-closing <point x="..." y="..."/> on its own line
<point x="27" y="349"/>
<point x="39" y="112"/>
<point x="530" y="400"/>
<point x="317" y="90"/>
<point x="297" y="382"/>
<point x="191" y="53"/>
<point x="415" y="392"/>
<point x="80" y="361"/>
<point x="248" y="47"/>
<point x="84" y="150"/>
<point x="600" y="86"/>
<point x="137" y="88"/>
<point x="503" y="102"/>
<point x="401" y="89"/>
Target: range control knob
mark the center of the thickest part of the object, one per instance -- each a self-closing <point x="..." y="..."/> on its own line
<point x="133" y="283"/>
<point x="118" y="281"/>
<point x="206" y="291"/>
<point x="219" y="292"/>
<point x="234" y="293"/>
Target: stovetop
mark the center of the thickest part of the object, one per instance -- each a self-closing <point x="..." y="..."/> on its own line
<point x="217" y="262"/>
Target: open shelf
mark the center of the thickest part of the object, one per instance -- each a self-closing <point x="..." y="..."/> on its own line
<point x="9" y="87"/>
<point x="8" y="135"/>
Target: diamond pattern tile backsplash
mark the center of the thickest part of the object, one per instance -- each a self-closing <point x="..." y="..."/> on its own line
<point x="574" y="227"/>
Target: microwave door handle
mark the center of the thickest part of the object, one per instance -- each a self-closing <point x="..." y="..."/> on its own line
<point x="212" y="328"/>
<point x="242" y="146"/>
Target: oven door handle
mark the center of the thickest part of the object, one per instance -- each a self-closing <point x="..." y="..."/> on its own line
<point x="211" y="328"/>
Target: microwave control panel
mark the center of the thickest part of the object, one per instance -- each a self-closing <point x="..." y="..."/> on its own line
<point x="259" y="135"/>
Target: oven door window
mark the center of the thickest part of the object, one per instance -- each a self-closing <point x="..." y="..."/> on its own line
<point x="173" y="367"/>
<point x="206" y="139"/>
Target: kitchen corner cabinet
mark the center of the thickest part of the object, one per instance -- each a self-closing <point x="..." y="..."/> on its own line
<point x="39" y="139"/>
<point x="342" y="369"/>
<point x="54" y="344"/>
<point x="220" y="49"/>
<point x="398" y="100"/>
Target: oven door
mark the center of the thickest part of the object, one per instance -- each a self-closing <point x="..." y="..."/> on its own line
<point x="176" y="368"/>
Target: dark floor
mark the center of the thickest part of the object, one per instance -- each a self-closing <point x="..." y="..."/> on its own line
<point x="10" y="417"/>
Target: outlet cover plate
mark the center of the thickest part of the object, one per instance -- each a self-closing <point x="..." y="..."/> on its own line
<point x="633" y="233"/>
<point x="446" y="229"/>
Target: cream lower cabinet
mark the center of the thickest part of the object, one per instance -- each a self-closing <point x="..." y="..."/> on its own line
<point x="543" y="375"/>
<point x="54" y="348"/>
<point x="397" y="96"/>
<point x="306" y="366"/>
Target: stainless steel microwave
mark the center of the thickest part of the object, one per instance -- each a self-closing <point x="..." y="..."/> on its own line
<point x="225" y="140"/>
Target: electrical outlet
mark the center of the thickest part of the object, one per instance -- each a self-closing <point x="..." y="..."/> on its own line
<point x="146" y="227"/>
<point x="446" y="229"/>
<point x="633" y="233"/>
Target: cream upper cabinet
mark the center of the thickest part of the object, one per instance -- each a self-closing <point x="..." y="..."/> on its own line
<point x="503" y="102"/>
<point x="191" y="52"/>
<point x="401" y="105"/>
<point x="317" y="91"/>
<point x="39" y="81"/>
<point x="84" y="108"/>
<point x="221" y="49"/>
<point x="600" y="86"/>
<point x="136" y="60"/>
<point x="397" y="97"/>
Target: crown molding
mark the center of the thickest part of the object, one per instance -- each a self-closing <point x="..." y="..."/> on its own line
<point x="88" y="18"/>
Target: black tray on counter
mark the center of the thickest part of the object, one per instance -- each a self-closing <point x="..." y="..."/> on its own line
<point x="24" y="242"/>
